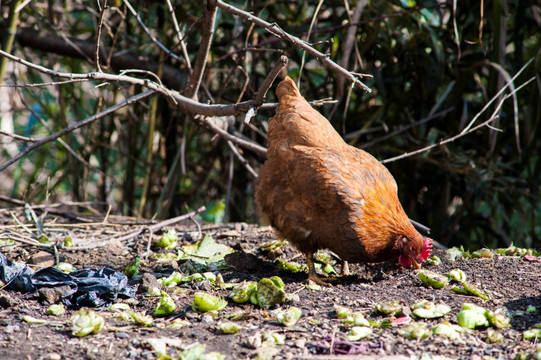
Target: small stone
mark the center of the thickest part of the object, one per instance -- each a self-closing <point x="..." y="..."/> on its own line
<point x="207" y="319"/>
<point x="148" y="281"/>
<point x="229" y="234"/>
<point x="121" y="335"/>
<point x="53" y="295"/>
<point x="10" y="329"/>
<point x="6" y="301"/>
<point x="301" y="343"/>
<point x="42" y="259"/>
<point x="52" y="356"/>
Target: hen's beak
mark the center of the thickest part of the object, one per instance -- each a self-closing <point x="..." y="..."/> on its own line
<point x="415" y="264"/>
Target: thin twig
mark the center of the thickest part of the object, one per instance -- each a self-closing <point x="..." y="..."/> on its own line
<point x="507" y="78"/>
<point x="149" y="33"/>
<point x="61" y="141"/>
<point x="404" y="128"/>
<point x="267" y="83"/>
<point x="509" y="83"/>
<point x="312" y="23"/>
<point x="269" y="80"/>
<point x="102" y="8"/>
<point x="18" y="137"/>
<point x="275" y="30"/>
<point x="203" y="52"/>
<point x="179" y="35"/>
<point x="461" y="134"/>
<point x="258" y="149"/>
<point x="152" y="228"/>
<point x="242" y="159"/>
<point x="75" y="126"/>
<point x="42" y="84"/>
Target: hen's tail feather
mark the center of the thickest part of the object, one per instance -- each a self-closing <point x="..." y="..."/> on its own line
<point x="287" y="87"/>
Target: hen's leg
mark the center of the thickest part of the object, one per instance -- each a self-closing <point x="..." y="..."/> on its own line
<point x="345" y="268"/>
<point x="312" y="275"/>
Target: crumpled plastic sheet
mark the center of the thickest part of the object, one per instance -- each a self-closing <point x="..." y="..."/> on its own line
<point x="89" y="287"/>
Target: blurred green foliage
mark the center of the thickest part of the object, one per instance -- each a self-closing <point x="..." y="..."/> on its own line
<point x="426" y="58"/>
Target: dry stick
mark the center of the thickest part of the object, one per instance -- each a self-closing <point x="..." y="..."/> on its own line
<point x="404" y="128"/>
<point x="204" y="49"/>
<point x="42" y="84"/>
<point x="349" y="44"/>
<point x="267" y="83"/>
<point x="312" y="22"/>
<point x="174" y="97"/>
<point x="242" y="159"/>
<point x="179" y="35"/>
<point x="17" y="137"/>
<point x="152" y="37"/>
<point x="152" y="228"/>
<point x="77" y="125"/>
<point x="102" y="8"/>
<point x="509" y="83"/>
<point x="258" y="149"/>
<point x="507" y="78"/>
<point x="62" y="142"/>
<point x="470" y="130"/>
<point x="277" y="31"/>
<point x="177" y="100"/>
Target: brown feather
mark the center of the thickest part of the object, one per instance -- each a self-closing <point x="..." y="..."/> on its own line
<point x="319" y="192"/>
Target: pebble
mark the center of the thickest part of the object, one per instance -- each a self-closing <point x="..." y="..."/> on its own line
<point x="52" y="356"/>
<point x="207" y="319"/>
<point x="121" y="335"/>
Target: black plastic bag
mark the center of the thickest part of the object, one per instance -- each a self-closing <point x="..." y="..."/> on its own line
<point x="15" y="275"/>
<point x="88" y="287"/>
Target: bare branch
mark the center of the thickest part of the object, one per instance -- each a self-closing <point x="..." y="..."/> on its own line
<point x="242" y="159"/>
<point x="350" y="43"/>
<point x="258" y="149"/>
<point x="102" y="7"/>
<point x="18" y="137"/>
<point x="179" y="35"/>
<point x="275" y="30"/>
<point x="507" y="78"/>
<point x="149" y="33"/>
<point x="76" y="126"/>
<point x="42" y="84"/>
<point x="461" y="134"/>
<point x="312" y="23"/>
<point x="152" y="228"/>
<point x="203" y="52"/>
<point x="269" y="80"/>
<point x="404" y="128"/>
<point x="509" y="83"/>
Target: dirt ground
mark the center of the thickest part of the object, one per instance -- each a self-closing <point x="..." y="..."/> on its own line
<point x="513" y="283"/>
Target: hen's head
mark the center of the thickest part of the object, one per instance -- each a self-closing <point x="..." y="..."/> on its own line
<point x="414" y="250"/>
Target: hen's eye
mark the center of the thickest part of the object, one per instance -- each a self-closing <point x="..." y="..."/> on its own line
<point x="412" y="248"/>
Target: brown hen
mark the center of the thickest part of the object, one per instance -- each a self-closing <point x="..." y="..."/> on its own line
<point x="320" y="193"/>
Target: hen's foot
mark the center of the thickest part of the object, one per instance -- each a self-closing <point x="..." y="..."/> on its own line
<point x="322" y="282"/>
<point x="345" y="269"/>
<point x="312" y="275"/>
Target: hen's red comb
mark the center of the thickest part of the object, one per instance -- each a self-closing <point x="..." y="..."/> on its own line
<point x="427" y="248"/>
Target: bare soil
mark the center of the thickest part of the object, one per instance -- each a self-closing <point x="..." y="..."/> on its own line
<point x="513" y="282"/>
